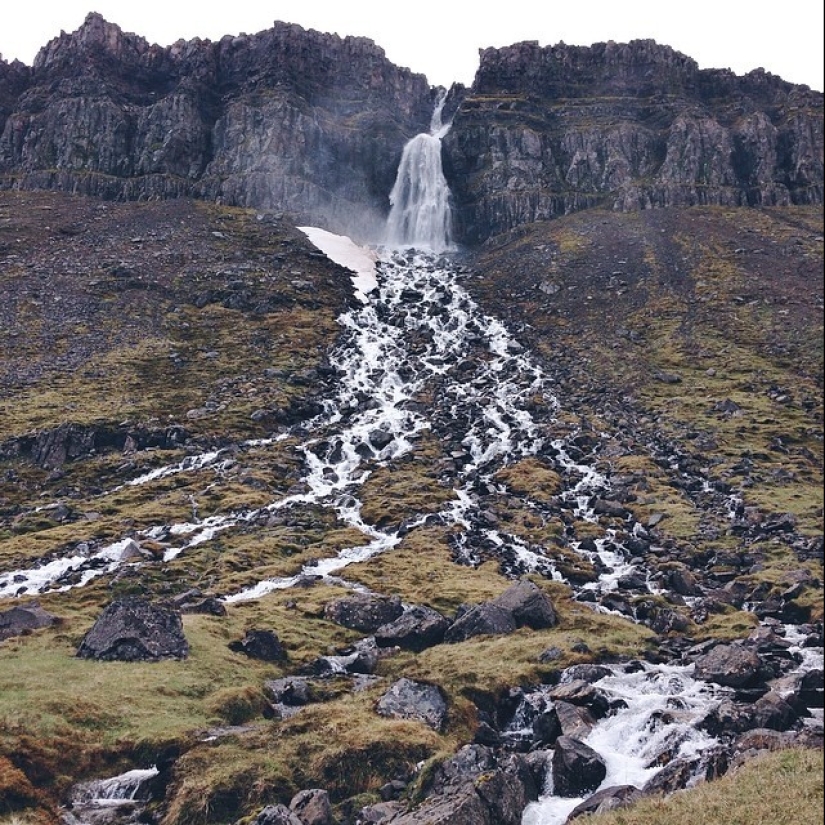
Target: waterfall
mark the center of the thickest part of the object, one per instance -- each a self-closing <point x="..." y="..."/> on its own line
<point x="420" y="198"/>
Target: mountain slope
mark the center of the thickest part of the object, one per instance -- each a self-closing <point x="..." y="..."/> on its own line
<point x="164" y="330"/>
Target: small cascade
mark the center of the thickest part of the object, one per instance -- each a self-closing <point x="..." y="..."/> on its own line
<point x="125" y="787"/>
<point x="656" y="720"/>
<point x="116" y="800"/>
<point x="420" y="198"/>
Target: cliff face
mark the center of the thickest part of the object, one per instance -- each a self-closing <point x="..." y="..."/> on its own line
<point x="314" y="125"/>
<point x="548" y="131"/>
<point x="285" y="119"/>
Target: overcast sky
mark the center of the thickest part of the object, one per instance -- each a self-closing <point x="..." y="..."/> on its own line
<point x="441" y="38"/>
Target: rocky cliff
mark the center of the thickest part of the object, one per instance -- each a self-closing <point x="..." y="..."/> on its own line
<point x="313" y="125"/>
<point x="549" y="131"/>
<point x="285" y="119"/>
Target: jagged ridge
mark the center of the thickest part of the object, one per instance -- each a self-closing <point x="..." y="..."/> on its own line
<point x="312" y="124"/>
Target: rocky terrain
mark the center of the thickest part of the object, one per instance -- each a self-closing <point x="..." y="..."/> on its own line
<point x="274" y="552"/>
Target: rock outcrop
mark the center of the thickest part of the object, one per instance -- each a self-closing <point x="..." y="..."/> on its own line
<point x="314" y="125"/>
<point x="287" y="119"/>
<point x="549" y="131"/>
<point x="24" y="618"/>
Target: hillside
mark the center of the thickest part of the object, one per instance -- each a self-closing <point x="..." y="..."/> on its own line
<point x="503" y="535"/>
<point x="139" y="334"/>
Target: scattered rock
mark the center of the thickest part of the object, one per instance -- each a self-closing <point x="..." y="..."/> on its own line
<point x="528" y="605"/>
<point x="134" y="629"/>
<point x="577" y="768"/>
<point x="481" y="619"/>
<point x="276" y="815"/>
<point x="24" y="618"/>
<point x="260" y="644"/>
<point x="607" y="799"/>
<point x="407" y="699"/>
<point x="312" y="807"/>
<point x="418" y="628"/>
<point x="364" y="612"/>
<point x="729" y="665"/>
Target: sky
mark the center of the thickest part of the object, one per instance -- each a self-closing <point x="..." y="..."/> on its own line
<point x="442" y="38"/>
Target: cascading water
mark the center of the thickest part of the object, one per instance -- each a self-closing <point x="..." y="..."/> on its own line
<point x="420" y="199"/>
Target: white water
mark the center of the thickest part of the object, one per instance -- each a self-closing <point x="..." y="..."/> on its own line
<point x="420" y="199"/>
<point x="664" y="706"/>
<point x="112" y="791"/>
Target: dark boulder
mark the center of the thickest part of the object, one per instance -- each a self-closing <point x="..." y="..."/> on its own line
<point x="583" y="694"/>
<point x="461" y="807"/>
<point x="729" y="717"/>
<point x="294" y="691"/>
<point x="547" y="728"/>
<point x="475" y="787"/>
<point x="730" y="665"/>
<point x="24" y="618"/>
<point x="133" y="630"/>
<point x="607" y="799"/>
<point x="577" y="768"/>
<point x="381" y="812"/>
<point x="312" y="807"/>
<point x="260" y="644"/>
<point x="407" y="699"/>
<point x="684" y="771"/>
<point x="418" y="628"/>
<point x="364" y="612"/>
<point x="528" y="605"/>
<point x="574" y="720"/>
<point x="481" y="619"/>
<point x="585" y="672"/>
<point x="276" y="815"/>
<point x="773" y="712"/>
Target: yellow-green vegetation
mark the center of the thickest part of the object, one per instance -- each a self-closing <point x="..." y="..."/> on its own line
<point x="532" y="477"/>
<point x="404" y="488"/>
<point x="783" y="788"/>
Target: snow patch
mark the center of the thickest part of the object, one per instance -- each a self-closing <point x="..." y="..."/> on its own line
<point x="345" y="252"/>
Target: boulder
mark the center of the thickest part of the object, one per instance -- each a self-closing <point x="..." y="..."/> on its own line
<point x="276" y="815"/>
<point x="577" y="768"/>
<point x="583" y="694"/>
<point x="379" y="813"/>
<point x="467" y="763"/>
<point x="573" y="720"/>
<point x="134" y="629"/>
<point x="547" y="728"/>
<point x="418" y="628"/>
<point x="607" y="799"/>
<point x="730" y="665"/>
<point x="312" y="807"/>
<point x="364" y="612"/>
<point x="407" y="699"/>
<point x="486" y="619"/>
<point x="294" y="691"/>
<point x="24" y="618"/>
<point x="461" y="807"/>
<point x="682" y="772"/>
<point x="260" y="644"/>
<point x="475" y="787"/>
<point x="585" y="673"/>
<point x="773" y="712"/>
<point x="528" y="605"/>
